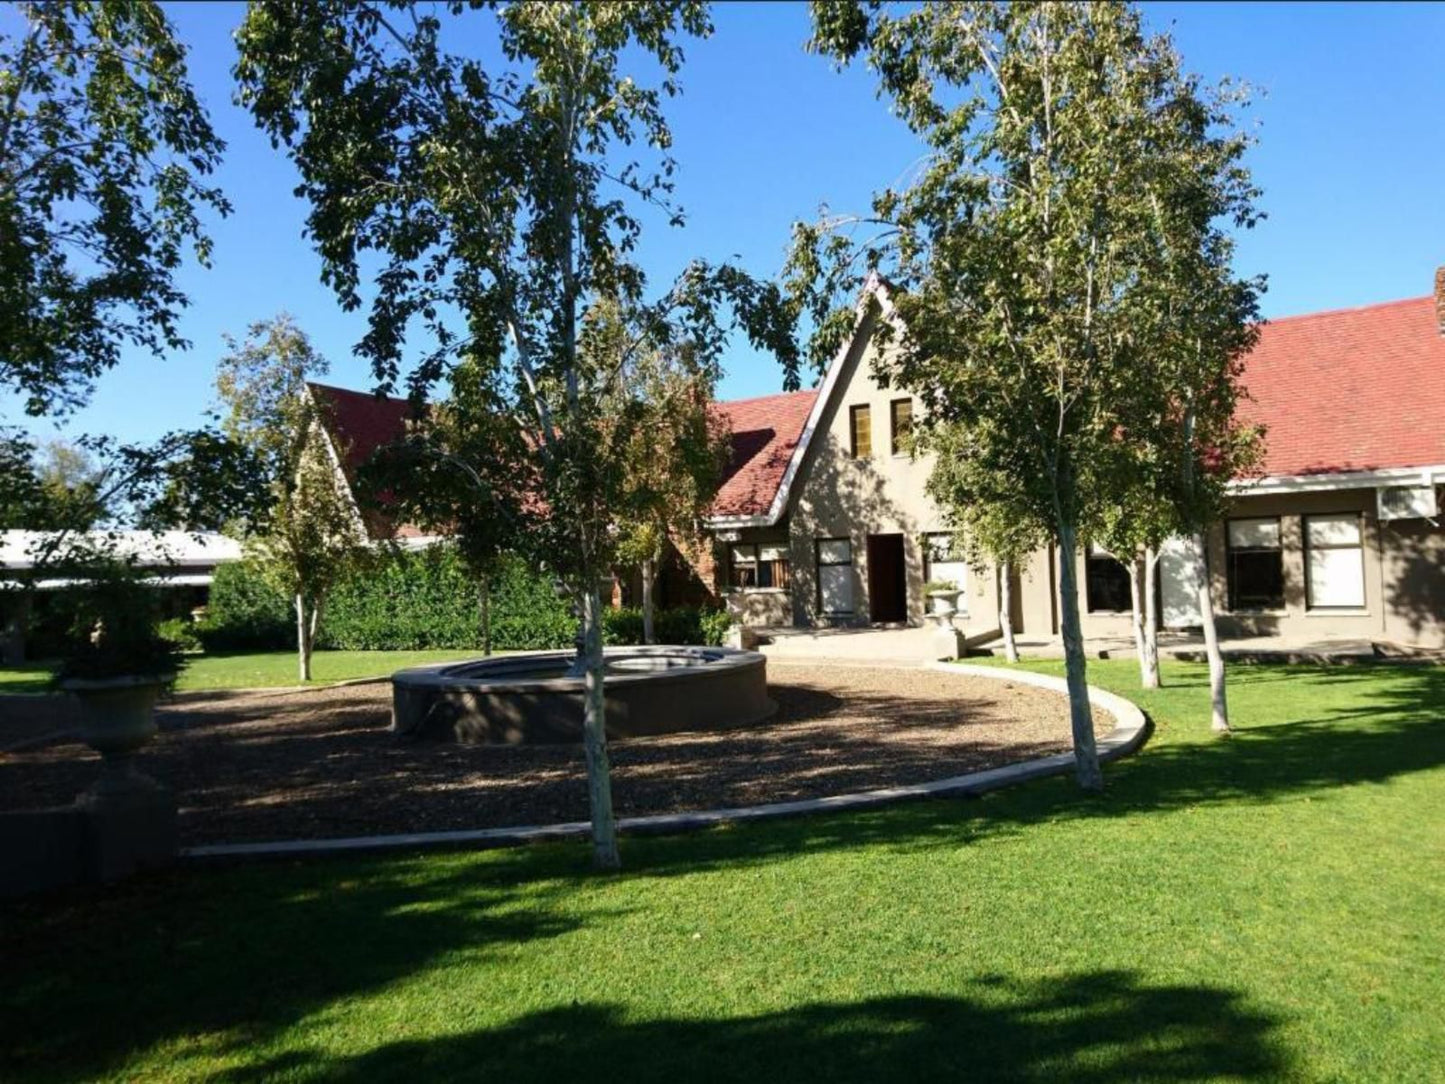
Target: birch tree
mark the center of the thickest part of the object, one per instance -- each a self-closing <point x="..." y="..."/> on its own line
<point x="502" y="202"/>
<point x="1019" y="250"/>
<point x="311" y="534"/>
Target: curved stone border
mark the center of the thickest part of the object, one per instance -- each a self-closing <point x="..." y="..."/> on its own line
<point x="1130" y="730"/>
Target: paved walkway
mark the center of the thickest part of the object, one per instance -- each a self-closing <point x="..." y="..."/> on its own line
<point x="919" y="645"/>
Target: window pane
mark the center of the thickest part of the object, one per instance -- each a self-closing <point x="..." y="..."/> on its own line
<point x="835" y="551"/>
<point x="1342" y="530"/>
<point x="1106" y="586"/>
<point x="861" y="423"/>
<point x="773" y="553"/>
<point x="835" y="585"/>
<point x="1254" y="533"/>
<point x="1337" y="577"/>
<point x="1256" y="580"/>
<point x="902" y="421"/>
<point x="744" y="555"/>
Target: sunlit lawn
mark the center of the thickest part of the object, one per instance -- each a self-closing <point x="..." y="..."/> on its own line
<point x="258" y="670"/>
<point x="1266" y="907"/>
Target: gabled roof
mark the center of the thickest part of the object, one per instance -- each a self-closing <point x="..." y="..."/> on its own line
<point x="361" y="422"/>
<point x="1350" y="390"/>
<point x="766" y="432"/>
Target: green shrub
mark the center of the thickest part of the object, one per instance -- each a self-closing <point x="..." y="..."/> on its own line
<point x="423" y="599"/>
<point x="245" y="613"/>
<point x="679" y="625"/>
<point x="181" y="632"/>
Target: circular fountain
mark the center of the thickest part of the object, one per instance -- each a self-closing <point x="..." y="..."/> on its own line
<point x="537" y="698"/>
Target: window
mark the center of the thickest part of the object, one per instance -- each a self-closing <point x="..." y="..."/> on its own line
<point x="1254" y="564"/>
<point x="835" y="576"/>
<point x="1106" y="582"/>
<point x="1335" y="561"/>
<point x="901" y="421"/>
<point x="943" y="560"/>
<point x="759" y="566"/>
<point x="860" y="424"/>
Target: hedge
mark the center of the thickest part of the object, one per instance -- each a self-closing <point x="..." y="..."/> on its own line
<point x="423" y="599"/>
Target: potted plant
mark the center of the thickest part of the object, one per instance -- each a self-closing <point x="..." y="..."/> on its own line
<point x="116" y="664"/>
<point x="942" y="596"/>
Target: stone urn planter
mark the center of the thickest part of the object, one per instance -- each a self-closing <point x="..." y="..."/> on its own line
<point x="942" y="603"/>
<point x="117" y="719"/>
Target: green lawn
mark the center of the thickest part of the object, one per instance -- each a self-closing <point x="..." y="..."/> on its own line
<point x="266" y="669"/>
<point x="1266" y="907"/>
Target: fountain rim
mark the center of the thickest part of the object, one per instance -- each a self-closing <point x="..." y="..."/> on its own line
<point x="443" y="675"/>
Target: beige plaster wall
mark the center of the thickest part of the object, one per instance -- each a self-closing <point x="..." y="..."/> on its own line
<point x="838" y="496"/>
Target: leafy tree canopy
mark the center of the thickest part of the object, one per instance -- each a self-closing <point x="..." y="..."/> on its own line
<point x="103" y="153"/>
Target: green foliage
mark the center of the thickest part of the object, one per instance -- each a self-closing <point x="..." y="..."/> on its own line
<point x="114" y="628"/>
<point x="245" y="612"/>
<point x="679" y="625"/>
<point x="180" y="631"/>
<point x="415" y="600"/>
<point x="103" y="145"/>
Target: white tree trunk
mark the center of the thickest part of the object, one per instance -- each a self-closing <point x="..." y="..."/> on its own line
<point x="1005" y="611"/>
<point x="1151" y="618"/>
<point x="648" y="572"/>
<point x="1086" y="756"/>
<point x="303" y="638"/>
<point x="594" y="736"/>
<point x="1136" y="618"/>
<point x="484" y="611"/>
<point x="1219" y="705"/>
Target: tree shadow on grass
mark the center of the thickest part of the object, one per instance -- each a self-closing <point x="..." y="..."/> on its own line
<point x="1094" y="1028"/>
<point x="95" y="974"/>
<point x="1358" y="726"/>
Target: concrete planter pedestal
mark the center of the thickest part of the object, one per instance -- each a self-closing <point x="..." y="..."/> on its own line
<point x="130" y="818"/>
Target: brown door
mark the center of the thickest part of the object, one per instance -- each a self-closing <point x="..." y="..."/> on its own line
<point x="887" y="587"/>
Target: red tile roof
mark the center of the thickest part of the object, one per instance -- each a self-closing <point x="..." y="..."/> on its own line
<point x="360" y="422"/>
<point x="1348" y="390"/>
<point x="765" y="432"/>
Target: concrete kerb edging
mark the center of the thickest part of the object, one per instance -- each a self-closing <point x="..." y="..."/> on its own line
<point x="1129" y="733"/>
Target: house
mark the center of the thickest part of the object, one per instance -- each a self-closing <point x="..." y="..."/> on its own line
<point x="822" y="517"/>
<point x="1340" y="537"/>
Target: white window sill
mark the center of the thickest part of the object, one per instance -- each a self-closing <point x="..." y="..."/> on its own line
<point x="1341" y="611"/>
<point x="755" y="591"/>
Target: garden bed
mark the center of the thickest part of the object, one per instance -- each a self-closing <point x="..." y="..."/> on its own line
<point x="285" y="764"/>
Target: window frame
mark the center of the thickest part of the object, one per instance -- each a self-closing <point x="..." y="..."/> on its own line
<point x="1230" y="549"/>
<point x="1095" y="552"/>
<point x="893" y="433"/>
<point x="819" y="564"/>
<point x="757" y="548"/>
<point x="1310" y="604"/>
<point x="856" y="411"/>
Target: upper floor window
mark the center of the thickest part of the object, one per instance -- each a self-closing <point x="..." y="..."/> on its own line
<point x="1106" y="582"/>
<point x="901" y="424"/>
<point x="860" y="426"/>
<point x="1254" y="564"/>
<point x="1335" y="561"/>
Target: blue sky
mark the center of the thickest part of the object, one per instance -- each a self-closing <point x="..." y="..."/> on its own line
<point x="1351" y="159"/>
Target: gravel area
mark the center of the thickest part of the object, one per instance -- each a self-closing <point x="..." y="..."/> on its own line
<point x="257" y="766"/>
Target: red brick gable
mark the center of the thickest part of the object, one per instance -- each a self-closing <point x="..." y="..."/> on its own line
<point x="1350" y="390"/>
<point x="766" y="432"/>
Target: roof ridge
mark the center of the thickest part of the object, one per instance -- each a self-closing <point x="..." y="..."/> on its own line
<point x="1347" y="309"/>
<point x="774" y="395"/>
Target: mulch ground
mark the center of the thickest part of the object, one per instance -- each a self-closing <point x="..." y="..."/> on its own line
<point x="309" y="764"/>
